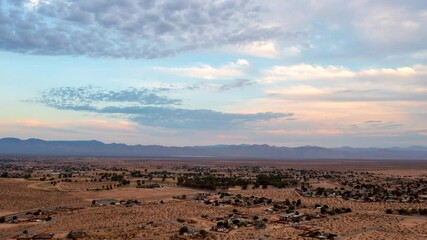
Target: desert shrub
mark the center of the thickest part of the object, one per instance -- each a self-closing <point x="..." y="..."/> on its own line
<point x="183" y="230"/>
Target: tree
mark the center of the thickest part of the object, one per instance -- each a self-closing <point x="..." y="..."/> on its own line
<point x="298" y="203"/>
<point x="183" y="230"/>
<point x="2" y="219"/>
<point x="203" y="233"/>
<point x="323" y="210"/>
<point x="389" y="211"/>
<point x="403" y="212"/>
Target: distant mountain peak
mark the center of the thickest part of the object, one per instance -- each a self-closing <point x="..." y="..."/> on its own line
<point x="34" y="146"/>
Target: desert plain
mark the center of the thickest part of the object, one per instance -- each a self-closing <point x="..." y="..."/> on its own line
<point x="112" y="198"/>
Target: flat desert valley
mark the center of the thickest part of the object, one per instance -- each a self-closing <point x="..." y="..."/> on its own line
<point x="115" y="198"/>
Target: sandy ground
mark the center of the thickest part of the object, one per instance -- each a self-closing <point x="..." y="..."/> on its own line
<point x="114" y="219"/>
<point x="136" y="193"/>
<point x="17" y="196"/>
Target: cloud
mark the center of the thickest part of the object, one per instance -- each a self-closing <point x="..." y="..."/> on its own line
<point x="148" y="109"/>
<point x="304" y="82"/>
<point x="389" y="72"/>
<point x="292" y="51"/>
<point x="200" y="119"/>
<point x="178" y="118"/>
<point x="356" y="28"/>
<point x="306" y="132"/>
<point x="34" y="3"/>
<point x="420" y="55"/>
<point x="85" y="96"/>
<point x="343" y="94"/>
<point x="376" y="125"/>
<point x="267" y="49"/>
<point x="237" y="83"/>
<point x="299" y="90"/>
<point x="317" y="72"/>
<point x="128" y="29"/>
<point x="88" y="125"/>
<point x="152" y="29"/>
<point x="305" y="72"/>
<point x="371" y="127"/>
<point x="382" y="20"/>
<point x="230" y="70"/>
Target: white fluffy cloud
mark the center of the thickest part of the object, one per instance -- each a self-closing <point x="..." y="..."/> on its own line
<point x="305" y="72"/>
<point x="267" y="49"/>
<point x="299" y="90"/>
<point x="230" y="70"/>
<point x="317" y="72"/>
<point x="392" y="25"/>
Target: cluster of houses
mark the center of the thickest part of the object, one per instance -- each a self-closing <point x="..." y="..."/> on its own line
<point x="236" y="221"/>
<point x="25" y="235"/>
<point x="39" y="215"/>
<point x="318" y="235"/>
<point x="221" y="199"/>
<point x="126" y="203"/>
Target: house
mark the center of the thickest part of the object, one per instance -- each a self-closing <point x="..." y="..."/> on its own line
<point x="260" y="225"/>
<point x="294" y="217"/>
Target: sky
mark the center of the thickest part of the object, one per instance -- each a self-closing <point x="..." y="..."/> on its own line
<point x="328" y="73"/>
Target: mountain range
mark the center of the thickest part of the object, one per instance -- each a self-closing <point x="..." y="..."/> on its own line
<point x="37" y="147"/>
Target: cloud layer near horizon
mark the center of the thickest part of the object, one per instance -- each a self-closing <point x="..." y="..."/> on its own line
<point x="147" y="108"/>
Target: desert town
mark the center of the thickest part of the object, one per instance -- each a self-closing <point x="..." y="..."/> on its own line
<point x="95" y="198"/>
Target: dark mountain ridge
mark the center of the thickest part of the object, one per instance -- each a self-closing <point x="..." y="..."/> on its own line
<point x="14" y="146"/>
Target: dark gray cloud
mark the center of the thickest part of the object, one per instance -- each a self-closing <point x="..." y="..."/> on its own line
<point x="128" y="28"/>
<point x="145" y="107"/>
<point x="200" y="119"/>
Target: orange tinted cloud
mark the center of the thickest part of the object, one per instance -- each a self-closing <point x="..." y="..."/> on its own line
<point x="306" y="132"/>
